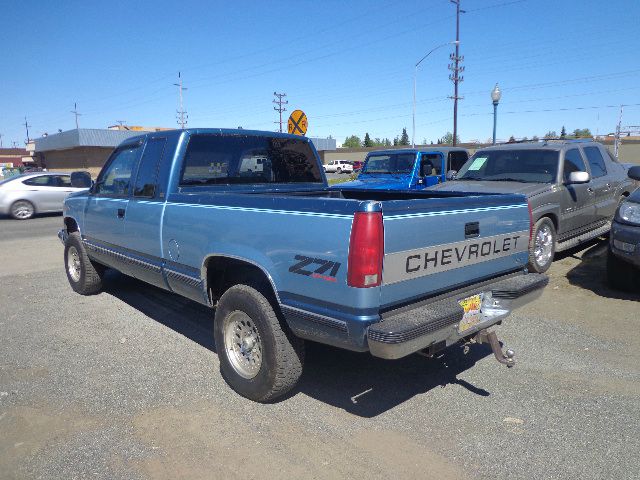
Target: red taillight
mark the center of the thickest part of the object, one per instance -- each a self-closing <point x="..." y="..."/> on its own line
<point x="530" y="222"/>
<point x="366" y="249"/>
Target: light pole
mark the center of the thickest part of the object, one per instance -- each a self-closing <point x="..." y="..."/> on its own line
<point x="415" y="75"/>
<point x="495" y="97"/>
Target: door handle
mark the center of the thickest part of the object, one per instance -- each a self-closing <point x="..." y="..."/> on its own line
<point x="590" y="190"/>
<point x="121" y="213"/>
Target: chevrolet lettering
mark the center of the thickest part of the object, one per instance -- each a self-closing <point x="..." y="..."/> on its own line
<point x="245" y="223"/>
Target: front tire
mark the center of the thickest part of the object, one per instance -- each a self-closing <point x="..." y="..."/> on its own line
<point x="260" y="358"/>
<point x="22" y="210"/>
<point x="85" y="277"/>
<point x="621" y="275"/>
<point x="543" y="245"/>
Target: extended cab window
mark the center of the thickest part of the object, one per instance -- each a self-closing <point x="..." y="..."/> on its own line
<point x="596" y="162"/>
<point x="147" y="177"/>
<point x="573" y="162"/>
<point x="115" y="179"/>
<point x="248" y="159"/>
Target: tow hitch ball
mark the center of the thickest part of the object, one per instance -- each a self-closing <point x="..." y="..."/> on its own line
<point x="506" y="358"/>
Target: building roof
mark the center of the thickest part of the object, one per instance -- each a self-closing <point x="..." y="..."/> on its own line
<point x="83" y="137"/>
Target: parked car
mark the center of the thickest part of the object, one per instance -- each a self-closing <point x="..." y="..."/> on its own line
<point x="573" y="186"/>
<point x="284" y="259"/>
<point x="338" y="166"/>
<point x="408" y="169"/>
<point x="23" y="196"/>
<point x="623" y="262"/>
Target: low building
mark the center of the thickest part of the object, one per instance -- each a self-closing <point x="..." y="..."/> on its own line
<point x="79" y="149"/>
<point x="14" y="157"/>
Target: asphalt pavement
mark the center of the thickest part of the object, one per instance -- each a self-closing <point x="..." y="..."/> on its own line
<point x="125" y="385"/>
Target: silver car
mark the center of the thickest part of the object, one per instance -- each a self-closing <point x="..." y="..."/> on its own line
<point x="23" y="196"/>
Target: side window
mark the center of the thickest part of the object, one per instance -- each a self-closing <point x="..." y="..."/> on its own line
<point x="596" y="162"/>
<point x="147" y="177"/>
<point x="457" y="160"/>
<point x="63" y="181"/>
<point x="573" y="162"/>
<point x="115" y="179"/>
<point x="41" y="181"/>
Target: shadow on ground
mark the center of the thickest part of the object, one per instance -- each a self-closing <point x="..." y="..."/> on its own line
<point x="356" y="382"/>
<point x="591" y="273"/>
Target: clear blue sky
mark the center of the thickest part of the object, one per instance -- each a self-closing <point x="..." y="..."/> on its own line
<point x="347" y="64"/>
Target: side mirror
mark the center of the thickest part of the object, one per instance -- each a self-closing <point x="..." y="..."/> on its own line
<point x="634" y="173"/>
<point x="451" y="174"/>
<point x="81" y="180"/>
<point x="578" y="177"/>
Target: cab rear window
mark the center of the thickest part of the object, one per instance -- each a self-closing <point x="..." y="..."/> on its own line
<point x="247" y="159"/>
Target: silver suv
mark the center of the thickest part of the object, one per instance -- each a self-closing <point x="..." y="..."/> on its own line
<point x="573" y="187"/>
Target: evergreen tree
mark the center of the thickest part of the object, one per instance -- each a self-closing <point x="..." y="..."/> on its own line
<point x="387" y="142"/>
<point x="367" y="141"/>
<point x="404" y="138"/>
<point x="563" y="132"/>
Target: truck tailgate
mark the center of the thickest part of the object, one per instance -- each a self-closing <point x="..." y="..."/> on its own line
<point x="441" y="244"/>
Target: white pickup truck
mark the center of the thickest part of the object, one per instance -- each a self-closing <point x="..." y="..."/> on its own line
<point x="338" y="166"/>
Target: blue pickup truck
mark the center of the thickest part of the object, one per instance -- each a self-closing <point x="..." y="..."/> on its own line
<point x="245" y="223"/>
<point x="408" y="169"/>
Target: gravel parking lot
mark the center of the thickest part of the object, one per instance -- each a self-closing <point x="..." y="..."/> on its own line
<point x="125" y="385"/>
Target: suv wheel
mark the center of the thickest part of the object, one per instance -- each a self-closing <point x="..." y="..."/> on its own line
<point x="260" y="358"/>
<point x="338" y="170"/>
<point x="85" y="277"/>
<point x="543" y="245"/>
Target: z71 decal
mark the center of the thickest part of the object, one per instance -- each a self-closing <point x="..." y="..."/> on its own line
<point x="327" y="270"/>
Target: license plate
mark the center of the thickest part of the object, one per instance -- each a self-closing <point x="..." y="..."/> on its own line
<point x="472" y="312"/>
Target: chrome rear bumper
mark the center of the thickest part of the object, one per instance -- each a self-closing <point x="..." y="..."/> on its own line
<point x="400" y="335"/>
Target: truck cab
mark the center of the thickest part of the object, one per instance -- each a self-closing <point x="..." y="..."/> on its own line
<point x="408" y="169"/>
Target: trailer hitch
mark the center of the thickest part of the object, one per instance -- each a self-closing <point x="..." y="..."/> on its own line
<point x="506" y="358"/>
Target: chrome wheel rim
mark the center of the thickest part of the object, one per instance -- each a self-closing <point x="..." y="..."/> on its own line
<point x="543" y="248"/>
<point x="73" y="264"/>
<point x="22" y="210"/>
<point x="243" y="344"/>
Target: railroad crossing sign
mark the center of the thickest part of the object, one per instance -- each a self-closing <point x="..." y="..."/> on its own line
<point x="297" y="123"/>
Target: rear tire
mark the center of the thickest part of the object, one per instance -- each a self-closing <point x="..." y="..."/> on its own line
<point x="338" y="170"/>
<point x="260" y="358"/>
<point x="85" y="276"/>
<point x="22" y="210"/>
<point x="621" y="275"/>
<point x="543" y="245"/>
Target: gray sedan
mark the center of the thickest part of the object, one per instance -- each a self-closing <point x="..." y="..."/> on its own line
<point x="573" y="187"/>
<point x="23" y="196"/>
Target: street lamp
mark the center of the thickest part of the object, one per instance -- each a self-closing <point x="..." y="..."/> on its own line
<point x="495" y="97"/>
<point x="415" y="75"/>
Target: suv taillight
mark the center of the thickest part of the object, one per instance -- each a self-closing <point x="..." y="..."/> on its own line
<point x="366" y="249"/>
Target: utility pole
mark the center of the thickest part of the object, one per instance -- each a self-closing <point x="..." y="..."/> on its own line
<point x="76" y="113"/>
<point x="280" y="108"/>
<point x="26" y="126"/>
<point x="456" y="69"/>
<point x="616" y="143"/>
<point x="182" y="114"/>
<point x="0" y="140"/>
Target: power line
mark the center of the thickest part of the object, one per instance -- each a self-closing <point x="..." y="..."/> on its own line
<point x="181" y="114"/>
<point x="280" y="108"/>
